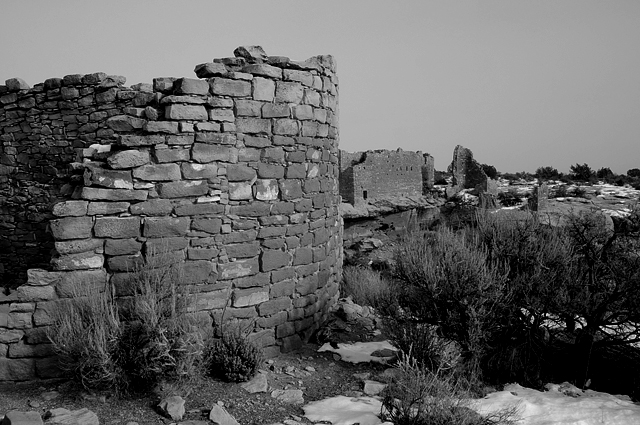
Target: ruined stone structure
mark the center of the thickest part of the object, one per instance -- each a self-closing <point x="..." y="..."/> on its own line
<point x="468" y="174"/>
<point x="235" y="173"/>
<point x="539" y="201"/>
<point x="383" y="174"/>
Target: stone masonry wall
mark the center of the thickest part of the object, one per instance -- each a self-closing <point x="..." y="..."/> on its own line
<point x="380" y="174"/>
<point x="235" y="173"/>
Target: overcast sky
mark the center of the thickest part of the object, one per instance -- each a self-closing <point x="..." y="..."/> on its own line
<point x="521" y="83"/>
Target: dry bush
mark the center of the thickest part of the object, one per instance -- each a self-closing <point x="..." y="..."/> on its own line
<point x="418" y="396"/>
<point x="365" y="286"/>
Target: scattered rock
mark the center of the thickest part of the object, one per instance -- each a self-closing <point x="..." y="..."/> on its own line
<point x="50" y="395"/>
<point x="310" y="369"/>
<point x="220" y="416"/>
<point x="172" y="407"/>
<point x="385" y="352"/>
<point x="362" y="376"/>
<point x="34" y="404"/>
<point x="258" y="384"/>
<point x="15" y="417"/>
<point x="373" y="387"/>
<point x="288" y="396"/>
<point x="68" y="417"/>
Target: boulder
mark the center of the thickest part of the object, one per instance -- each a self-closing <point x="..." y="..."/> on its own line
<point x="15" y="417"/>
<point x="172" y="407"/>
<point x="220" y="416"/>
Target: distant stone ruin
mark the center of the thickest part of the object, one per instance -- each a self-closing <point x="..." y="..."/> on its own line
<point x="234" y="172"/>
<point x="539" y="201"/>
<point x="384" y="174"/>
<point x="468" y="174"/>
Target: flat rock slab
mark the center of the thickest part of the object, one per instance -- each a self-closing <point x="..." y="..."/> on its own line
<point x="373" y="388"/>
<point x="220" y="416"/>
<point x="16" y="417"/>
<point x="68" y="417"/>
<point x="258" y="384"/>
<point x="288" y="396"/>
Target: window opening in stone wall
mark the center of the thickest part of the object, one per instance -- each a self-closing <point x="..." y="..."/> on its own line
<point x="364" y="194"/>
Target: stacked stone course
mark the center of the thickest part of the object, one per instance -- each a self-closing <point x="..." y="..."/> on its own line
<point x="234" y="173"/>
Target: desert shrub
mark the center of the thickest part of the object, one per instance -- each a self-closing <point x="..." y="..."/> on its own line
<point x="447" y="281"/>
<point x="510" y="198"/>
<point x="160" y="340"/>
<point x="133" y="343"/>
<point x="85" y="332"/>
<point x="365" y="286"/>
<point x="418" y="396"/>
<point x="547" y="173"/>
<point x="233" y="357"/>
<point x="579" y="192"/>
<point x="560" y="191"/>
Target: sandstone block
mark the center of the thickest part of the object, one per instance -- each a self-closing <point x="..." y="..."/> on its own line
<point x="131" y="140"/>
<point x="192" y="171"/>
<point x="312" y="97"/>
<point x="246" y="250"/>
<point x="211" y="300"/>
<point x="190" y="86"/>
<point x="81" y="261"/>
<point x="276" y="110"/>
<point x="199" y="209"/>
<point x="220" y="114"/>
<point x="286" y="127"/>
<point x="239" y="191"/>
<point x="117" y="227"/>
<point x="167" y="127"/>
<point x="253" y="125"/>
<point x="302" y="256"/>
<point x="249" y="297"/>
<point x="22" y="350"/>
<point x="128" y="159"/>
<point x="205" y="153"/>
<point x="263" y="89"/>
<point x="40" y="277"/>
<point x="152" y="207"/>
<point x="216" y="138"/>
<point x="290" y="189"/>
<point x="163" y="84"/>
<point x="227" y="87"/>
<point x="182" y="189"/>
<point x="35" y="293"/>
<point x="8" y="336"/>
<point x="304" y="77"/>
<point x="71" y="228"/>
<point x="211" y="69"/>
<point x="113" y="179"/>
<point x="275" y="306"/>
<point x="267" y="190"/>
<point x="303" y="112"/>
<point x="166" y="226"/>
<point x="125" y="122"/>
<point x="186" y="112"/>
<point x="274" y="259"/>
<point x="270" y="171"/>
<point x="124" y="263"/>
<point x="208" y="225"/>
<point x="254" y="209"/>
<point x="251" y="53"/>
<point x="158" y="172"/>
<point x="172" y="155"/>
<point x="237" y="172"/>
<point x="18" y="370"/>
<point x="238" y="268"/>
<point x="256" y="141"/>
<point x="70" y="208"/>
<point x="195" y="272"/>
<point x="182" y="139"/>
<point x="264" y="70"/>
<point x="289" y="92"/>
<point x="309" y="129"/>
<point x="282" y="289"/>
<point x="16" y="84"/>
<point x="122" y="246"/>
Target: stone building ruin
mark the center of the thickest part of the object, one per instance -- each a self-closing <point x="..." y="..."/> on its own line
<point x="234" y="172"/>
<point x="384" y="174"/>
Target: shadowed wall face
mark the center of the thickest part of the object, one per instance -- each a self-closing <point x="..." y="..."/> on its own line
<point x="234" y="173"/>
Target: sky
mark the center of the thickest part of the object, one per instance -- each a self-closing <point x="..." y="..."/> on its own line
<point x="523" y="84"/>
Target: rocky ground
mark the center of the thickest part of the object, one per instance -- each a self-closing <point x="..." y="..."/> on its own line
<point x="275" y="395"/>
